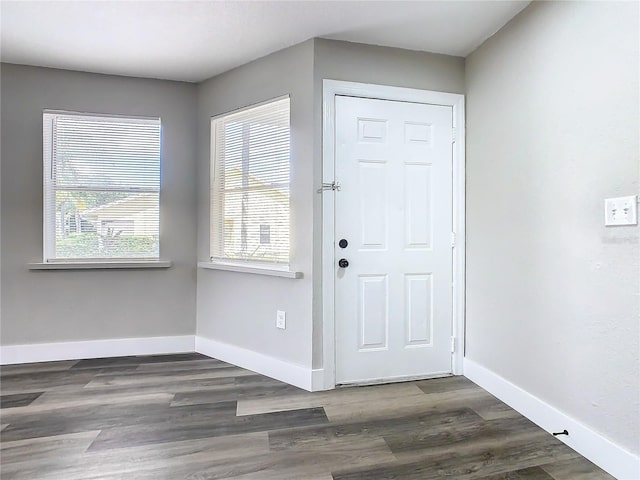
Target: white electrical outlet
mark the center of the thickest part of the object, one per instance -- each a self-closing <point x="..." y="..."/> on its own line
<point x="281" y="319"/>
<point x="621" y="211"/>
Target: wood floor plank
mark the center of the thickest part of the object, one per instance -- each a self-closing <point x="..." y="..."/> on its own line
<point x="189" y="365"/>
<point x="34" y="450"/>
<point x="533" y="473"/>
<point x="467" y="429"/>
<point x="471" y="463"/>
<point x="189" y="417"/>
<point x="396" y="428"/>
<point x="168" y="460"/>
<point x="199" y="426"/>
<point x="137" y="360"/>
<point x="576" y="468"/>
<point x="301" y="464"/>
<point x="174" y="385"/>
<point x="283" y="475"/>
<point x="494" y="409"/>
<point x="414" y="401"/>
<point x="18" y="399"/>
<point x="341" y="397"/>
<point x="234" y="392"/>
<point x="49" y="402"/>
<point x="112" y="417"/>
<point x="446" y="384"/>
<point x="45" y="381"/>
<point x="244" y="387"/>
<point x="142" y="378"/>
<point x="38" y="367"/>
<point x="169" y="370"/>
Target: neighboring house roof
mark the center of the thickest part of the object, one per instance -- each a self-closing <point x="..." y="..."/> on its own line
<point x="235" y="174"/>
<point x="118" y="209"/>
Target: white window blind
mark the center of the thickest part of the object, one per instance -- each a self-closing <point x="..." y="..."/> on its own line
<point x="101" y="187"/>
<point x="250" y="184"/>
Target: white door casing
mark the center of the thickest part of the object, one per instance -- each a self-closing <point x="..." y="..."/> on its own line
<point x="393" y="303"/>
<point x="369" y="283"/>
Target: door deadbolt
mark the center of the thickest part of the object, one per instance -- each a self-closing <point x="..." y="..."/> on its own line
<point x="343" y="243"/>
<point x="343" y="263"/>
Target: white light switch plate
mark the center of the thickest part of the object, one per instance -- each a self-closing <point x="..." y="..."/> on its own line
<point x="281" y="319"/>
<point x="621" y="211"/>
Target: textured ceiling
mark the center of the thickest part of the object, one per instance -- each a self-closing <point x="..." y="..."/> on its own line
<point x="195" y="40"/>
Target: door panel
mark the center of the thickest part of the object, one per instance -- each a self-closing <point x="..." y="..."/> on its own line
<point x="393" y="303"/>
<point x="373" y="315"/>
<point x="418" y="215"/>
<point x="418" y="308"/>
<point x="373" y="204"/>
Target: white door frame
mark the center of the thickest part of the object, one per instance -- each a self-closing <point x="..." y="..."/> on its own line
<point x="331" y="88"/>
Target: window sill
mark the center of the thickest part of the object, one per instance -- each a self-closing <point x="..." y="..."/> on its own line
<point x="232" y="267"/>
<point x="136" y="264"/>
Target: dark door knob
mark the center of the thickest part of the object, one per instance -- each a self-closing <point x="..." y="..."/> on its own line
<point x="343" y="263"/>
<point x="343" y="243"/>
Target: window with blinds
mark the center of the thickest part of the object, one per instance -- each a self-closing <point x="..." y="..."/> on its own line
<point x="250" y="185"/>
<point x="101" y="187"/>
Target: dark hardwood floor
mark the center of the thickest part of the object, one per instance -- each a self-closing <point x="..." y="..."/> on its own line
<point x="191" y="417"/>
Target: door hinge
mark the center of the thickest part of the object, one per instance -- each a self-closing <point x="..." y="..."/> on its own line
<point x="329" y="186"/>
<point x="453" y="239"/>
<point x="453" y="344"/>
<point x="453" y="135"/>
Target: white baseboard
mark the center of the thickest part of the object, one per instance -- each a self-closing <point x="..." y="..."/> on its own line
<point x="607" y="455"/>
<point x="271" y="367"/>
<point x="297" y="375"/>
<point x="318" y="382"/>
<point x="119" y="347"/>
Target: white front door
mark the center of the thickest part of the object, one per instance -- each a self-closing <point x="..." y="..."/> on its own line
<point x="393" y="302"/>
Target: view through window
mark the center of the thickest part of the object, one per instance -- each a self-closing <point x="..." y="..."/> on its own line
<point x="101" y="186"/>
<point x="250" y="184"/>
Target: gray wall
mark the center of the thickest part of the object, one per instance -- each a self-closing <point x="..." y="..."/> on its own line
<point x="52" y="306"/>
<point x="552" y="130"/>
<point x="240" y="308"/>
<point x="356" y="62"/>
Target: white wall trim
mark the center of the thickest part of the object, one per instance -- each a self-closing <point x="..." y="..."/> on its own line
<point x="118" y="347"/>
<point x="290" y="373"/>
<point x="331" y="88"/>
<point x="607" y="455"/>
<point x="99" y="265"/>
<point x="317" y="380"/>
<point x="259" y="270"/>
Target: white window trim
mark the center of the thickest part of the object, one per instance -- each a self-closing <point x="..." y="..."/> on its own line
<point x="272" y="271"/>
<point x="100" y="265"/>
<point x="239" y="265"/>
<point x="48" y="229"/>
